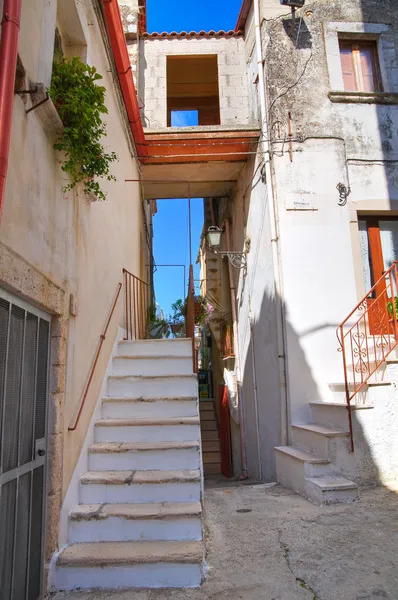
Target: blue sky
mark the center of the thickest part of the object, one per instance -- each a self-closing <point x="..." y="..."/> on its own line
<point x="192" y="15"/>
<point x="171" y="246"/>
<point x="171" y="222"/>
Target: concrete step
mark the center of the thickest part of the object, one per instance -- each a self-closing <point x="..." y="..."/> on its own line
<point x="208" y="436"/>
<point x="212" y="468"/>
<point x="113" y="487"/>
<point x="185" y="429"/>
<point x="334" y="414"/>
<point x="152" y="365"/>
<point x="208" y="415"/>
<point x="316" y="438"/>
<point x="210" y="457"/>
<point x="155" y="385"/>
<point x="146" y="408"/>
<point x="208" y="426"/>
<point x="175" y="347"/>
<point x="136" y="522"/>
<point x="117" y="565"/>
<point x="210" y="445"/>
<point x="332" y="490"/>
<point x="293" y="465"/>
<point x="144" y="456"/>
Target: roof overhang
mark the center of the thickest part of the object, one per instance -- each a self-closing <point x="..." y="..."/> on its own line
<point x="244" y="12"/>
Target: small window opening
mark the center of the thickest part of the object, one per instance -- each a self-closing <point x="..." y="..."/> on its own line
<point x="360" y="66"/>
<point x="184" y="118"/>
<point x="192" y="90"/>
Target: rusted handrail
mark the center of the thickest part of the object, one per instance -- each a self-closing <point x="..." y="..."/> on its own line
<point x="190" y="317"/>
<point x="75" y="420"/>
<point x="368" y="338"/>
<point x="137" y="306"/>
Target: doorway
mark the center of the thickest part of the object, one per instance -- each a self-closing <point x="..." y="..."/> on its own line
<point x="24" y="359"/>
<point x="379" y="250"/>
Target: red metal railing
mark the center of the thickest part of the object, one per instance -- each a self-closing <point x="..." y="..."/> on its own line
<point x="137" y="304"/>
<point x="368" y="335"/>
<point x="136" y="321"/>
<point x="190" y="318"/>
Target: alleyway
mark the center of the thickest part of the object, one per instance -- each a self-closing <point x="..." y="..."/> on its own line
<point x="266" y="543"/>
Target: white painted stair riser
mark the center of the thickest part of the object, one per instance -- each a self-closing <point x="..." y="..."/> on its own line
<point x="156" y="348"/>
<point x="146" y="409"/>
<point x="317" y="443"/>
<point x="147" y="433"/>
<point x="136" y="387"/>
<point x="158" y="575"/>
<point x="98" y="493"/>
<point x="187" y="458"/>
<point x="116" y="529"/>
<point x="330" y="416"/>
<point x="152" y="366"/>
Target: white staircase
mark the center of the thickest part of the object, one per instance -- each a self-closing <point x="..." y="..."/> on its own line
<point x="139" y="521"/>
<point x="311" y="465"/>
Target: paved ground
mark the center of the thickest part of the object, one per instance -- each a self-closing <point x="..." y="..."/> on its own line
<point x="266" y="543"/>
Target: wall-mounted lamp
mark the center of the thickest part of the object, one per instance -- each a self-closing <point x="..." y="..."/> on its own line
<point x="237" y="259"/>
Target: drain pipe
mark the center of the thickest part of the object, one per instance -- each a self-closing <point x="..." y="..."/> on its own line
<point x="10" y="24"/>
<point x="272" y="210"/>
<point x="237" y="355"/>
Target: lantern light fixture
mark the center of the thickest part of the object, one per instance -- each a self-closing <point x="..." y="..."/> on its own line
<point x="237" y="259"/>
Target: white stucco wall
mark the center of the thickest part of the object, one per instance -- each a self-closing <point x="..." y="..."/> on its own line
<point x="79" y="245"/>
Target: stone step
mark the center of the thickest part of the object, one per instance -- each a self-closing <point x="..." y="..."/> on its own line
<point x="152" y="365"/>
<point x="210" y="457"/>
<point x="208" y="415"/>
<point x="334" y="414"/>
<point x="146" y="408"/>
<point x="99" y="487"/>
<point x="131" y="564"/>
<point x="315" y="438"/>
<point x="154" y="385"/>
<point x="136" y="522"/>
<point x="176" y="347"/>
<point x="332" y="490"/>
<point x="208" y="436"/>
<point x="212" y="468"/>
<point x="209" y="425"/>
<point x="144" y="456"/>
<point x="186" y="429"/>
<point x="211" y="445"/>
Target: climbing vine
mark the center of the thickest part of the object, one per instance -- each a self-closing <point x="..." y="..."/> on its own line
<point x="80" y="103"/>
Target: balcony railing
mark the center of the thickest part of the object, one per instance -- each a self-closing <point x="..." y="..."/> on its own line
<point x="368" y="335"/>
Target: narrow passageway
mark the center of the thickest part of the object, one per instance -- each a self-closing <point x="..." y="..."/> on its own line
<point x="266" y="543"/>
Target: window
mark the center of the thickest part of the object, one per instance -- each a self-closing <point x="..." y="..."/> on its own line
<point x="360" y="66"/>
<point x="192" y="89"/>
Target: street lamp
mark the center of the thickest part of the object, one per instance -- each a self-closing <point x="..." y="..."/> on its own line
<point x="237" y="259"/>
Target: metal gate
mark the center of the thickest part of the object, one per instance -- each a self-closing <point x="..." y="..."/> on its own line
<point x="24" y="352"/>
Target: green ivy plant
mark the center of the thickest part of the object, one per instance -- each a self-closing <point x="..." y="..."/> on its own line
<point x="80" y="103"/>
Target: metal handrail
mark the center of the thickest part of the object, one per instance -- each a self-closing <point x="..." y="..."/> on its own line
<point x="75" y="421"/>
<point x="190" y="317"/>
<point x="137" y="305"/>
<point x="370" y="338"/>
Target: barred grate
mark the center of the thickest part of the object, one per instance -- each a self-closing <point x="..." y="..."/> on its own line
<point x="28" y="390"/>
<point x="7" y="525"/>
<point x="36" y="526"/>
<point x="4" y="315"/>
<point x="41" y="381"/>
<point x="22" y="538"/>
<point x="13" y="388"/>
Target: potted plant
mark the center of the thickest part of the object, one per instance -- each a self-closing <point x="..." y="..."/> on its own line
<point x="80" y="103"/>
<point x="177" y="319"/>
<point x="394" y="318"/>
<point x="203" y="310"/>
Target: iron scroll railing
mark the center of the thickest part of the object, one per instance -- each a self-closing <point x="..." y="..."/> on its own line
<point x="368" y="335"/>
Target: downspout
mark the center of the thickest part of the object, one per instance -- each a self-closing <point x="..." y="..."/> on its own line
<point x="273" y="210"/>
<point x="10" y="24"/>
<point x="237" y="355"/>
<point x="125" y="75"/>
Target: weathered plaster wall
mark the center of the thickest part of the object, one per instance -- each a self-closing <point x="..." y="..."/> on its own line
<point x="231" y="71"/>
<point x="61" y="244"/>
<point x="351" y="143"/>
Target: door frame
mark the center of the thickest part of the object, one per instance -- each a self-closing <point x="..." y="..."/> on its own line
<point x="41" y="314"/>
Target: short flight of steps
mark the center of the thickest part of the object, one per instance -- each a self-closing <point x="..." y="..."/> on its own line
<point x="139" y="521"/>
<point x="210" y="438"/>
<point x="308" y="466"/>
